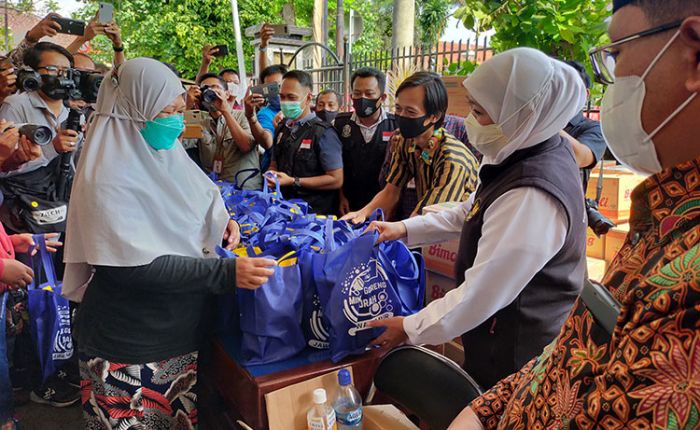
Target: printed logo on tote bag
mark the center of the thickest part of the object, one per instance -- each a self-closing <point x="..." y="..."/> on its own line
<point x="365" y="296"/>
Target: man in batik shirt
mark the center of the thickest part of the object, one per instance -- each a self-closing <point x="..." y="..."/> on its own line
<point x="647" y="376"/>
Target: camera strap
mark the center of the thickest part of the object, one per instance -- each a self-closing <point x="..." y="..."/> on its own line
<point x="219" y="137"/>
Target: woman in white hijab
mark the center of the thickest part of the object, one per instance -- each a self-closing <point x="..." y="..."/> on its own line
<point x="521" y="261"/>
<point x="143" y="225"/>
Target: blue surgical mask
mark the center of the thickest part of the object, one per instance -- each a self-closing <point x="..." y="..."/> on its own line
<point x="162" y="133"/>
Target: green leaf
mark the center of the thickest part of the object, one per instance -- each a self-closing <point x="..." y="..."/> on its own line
<point x="568" y="35"/>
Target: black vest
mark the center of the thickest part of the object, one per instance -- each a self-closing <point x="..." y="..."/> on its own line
<point x="362" y="162"/>
<point x="514" y="335"/>
<point x="298" y="154"/>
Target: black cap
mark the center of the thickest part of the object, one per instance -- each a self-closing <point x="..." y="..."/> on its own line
<point x="619" y="4"/>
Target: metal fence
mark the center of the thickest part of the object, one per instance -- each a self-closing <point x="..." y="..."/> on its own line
<point x="433" y="58"/>
<point x="332" y="74"/>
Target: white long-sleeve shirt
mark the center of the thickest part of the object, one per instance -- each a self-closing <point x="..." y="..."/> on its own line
<point x="522" y="230"/>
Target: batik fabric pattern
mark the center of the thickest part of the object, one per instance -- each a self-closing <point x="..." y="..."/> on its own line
<point x="152" y="396"/>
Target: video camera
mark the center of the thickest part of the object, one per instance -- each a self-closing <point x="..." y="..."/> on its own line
<point x="74" y="85"/>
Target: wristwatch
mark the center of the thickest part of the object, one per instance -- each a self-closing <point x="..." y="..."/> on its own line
<point x="263" y="49"/>
<point x="118" y="48"/>
<point x="297" y="182"/>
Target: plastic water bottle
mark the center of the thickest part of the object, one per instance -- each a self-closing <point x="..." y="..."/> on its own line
<point x="347" y="403"/>
<point x="321" y="416"/>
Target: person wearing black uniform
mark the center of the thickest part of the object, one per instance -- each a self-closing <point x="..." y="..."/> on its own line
<point x="307" y="156"/>
<point x="584" y="134"/>
<point x="364" y="134"/>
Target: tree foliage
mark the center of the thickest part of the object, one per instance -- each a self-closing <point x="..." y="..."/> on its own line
<point x="431" y="20"/>
<point x="561" y="28"/>
<point x="175" y="31"/>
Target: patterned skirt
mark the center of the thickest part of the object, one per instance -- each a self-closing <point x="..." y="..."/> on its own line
<point x="151" y="396"/>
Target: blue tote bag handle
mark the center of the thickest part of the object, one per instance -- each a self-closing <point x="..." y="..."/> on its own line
<point x="377" y="215"/>
<point x="252" y="172"/>
<point x="46" y="263"/>
<point x="266" y="189"/>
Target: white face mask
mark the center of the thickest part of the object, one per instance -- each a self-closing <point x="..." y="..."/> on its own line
<point x="487" y="139"/>
<point x="621" y="120"/>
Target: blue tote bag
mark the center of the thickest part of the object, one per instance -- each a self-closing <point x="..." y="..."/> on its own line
<point x="406" y="271"/>
<point x="49" y="315"/>
<point x="311" y="263"/>
<point x="362" y="291"/>
<point x="271" y="316"/>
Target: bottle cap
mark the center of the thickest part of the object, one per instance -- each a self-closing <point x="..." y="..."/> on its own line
<point x="344" y="378"/>
<point x="320" y="396"/>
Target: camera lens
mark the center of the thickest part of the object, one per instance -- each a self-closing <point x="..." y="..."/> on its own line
<point x="28" y="80"/>
<point x="37" y="134"/>
<point x="209" y="96"/>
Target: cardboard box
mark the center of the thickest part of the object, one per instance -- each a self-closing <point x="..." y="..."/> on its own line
<point x="596" y="268"/>
<point x="385" y="417"/>
<point x="456" y="96"/>
<point x="287" y="408"/>
<point x="441" y="258"/>
<point x="616" y="199"/>
<point x="437" y="286"/>
<point x="614" y="241"/>
<point x="609" y="166"/>
<point x="595" y="246"/>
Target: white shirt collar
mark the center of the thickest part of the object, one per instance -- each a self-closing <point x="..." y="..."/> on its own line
<point x="382" y="117"/>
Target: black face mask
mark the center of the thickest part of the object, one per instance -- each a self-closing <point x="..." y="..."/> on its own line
<point x="326" y="115"/>
<point x="55" y="88"/>
<point x="365" y="107"/>
<point x="412" y="127"/>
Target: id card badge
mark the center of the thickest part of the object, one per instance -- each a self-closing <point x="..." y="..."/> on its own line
<point x="218" y="166"/>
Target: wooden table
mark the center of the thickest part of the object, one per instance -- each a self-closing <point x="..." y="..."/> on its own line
<point x="229" y="392"/>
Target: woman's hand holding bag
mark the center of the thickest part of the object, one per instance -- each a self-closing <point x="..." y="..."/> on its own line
<point x="252" y="273"/>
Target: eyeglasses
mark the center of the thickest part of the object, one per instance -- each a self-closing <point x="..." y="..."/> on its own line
<point x="604" y="58"/>
<point x="53" y="70"/>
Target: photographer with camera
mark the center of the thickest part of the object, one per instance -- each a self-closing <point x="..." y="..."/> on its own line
<point x="227" y="146"/>
<point x="231" y="76"/>
<point x="586" y="139"/>
<point x="50" y="64"/>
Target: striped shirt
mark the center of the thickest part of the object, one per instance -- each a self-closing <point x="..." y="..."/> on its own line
<point x="450" y="177"/>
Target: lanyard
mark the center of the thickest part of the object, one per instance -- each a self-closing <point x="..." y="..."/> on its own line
<point x="219" y="137"/>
